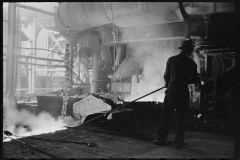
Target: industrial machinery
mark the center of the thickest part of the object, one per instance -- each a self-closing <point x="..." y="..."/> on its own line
<point x="140" y="33"/>
<point x="122" y="48"/>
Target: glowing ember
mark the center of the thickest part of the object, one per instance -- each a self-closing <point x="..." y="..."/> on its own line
<point x="199" y="115"/>
<point x="157" y="97"/>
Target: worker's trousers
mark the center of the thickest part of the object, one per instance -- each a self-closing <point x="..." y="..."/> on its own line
<point x="179" y="100"/>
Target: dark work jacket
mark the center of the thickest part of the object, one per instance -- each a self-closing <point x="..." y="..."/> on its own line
<point x="181" y="70"/>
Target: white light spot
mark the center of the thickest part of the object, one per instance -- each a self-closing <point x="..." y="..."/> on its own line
<point x="199" y="115"/>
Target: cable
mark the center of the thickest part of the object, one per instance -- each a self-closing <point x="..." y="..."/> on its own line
<point x="8" y="134"/>
<point x="89" y="144"/>
<point x="41" y="49"/>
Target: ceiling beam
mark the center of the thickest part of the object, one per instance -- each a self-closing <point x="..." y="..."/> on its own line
<point x="166" y="31"/>
<point x="35" y="9"/>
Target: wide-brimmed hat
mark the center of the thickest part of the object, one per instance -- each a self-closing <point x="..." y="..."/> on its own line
<point x="186" y="44"/>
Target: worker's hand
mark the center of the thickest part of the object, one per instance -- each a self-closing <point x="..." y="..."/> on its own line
<point x="166" y="85"/>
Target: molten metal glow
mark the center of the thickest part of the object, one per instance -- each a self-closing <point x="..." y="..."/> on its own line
<point x="157" y="97"/>
<point x="32" y="133"/>
<point x="22" y="123"/>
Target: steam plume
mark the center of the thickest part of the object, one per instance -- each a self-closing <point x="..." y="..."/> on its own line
<point x="24" y="123"/>
<point x="151" y="57"/>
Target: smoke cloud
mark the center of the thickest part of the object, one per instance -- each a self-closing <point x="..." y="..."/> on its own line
<point x="24" y="123"/>
<point x="151" y="57"/>
<point x="153" y="62"/>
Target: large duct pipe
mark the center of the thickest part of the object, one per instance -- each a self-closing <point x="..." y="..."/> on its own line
<point x="128" y="68"/>
<point x="95" y="75"/>
<point x="81" y="16"/>
<point x="121" y="55"/>
<point x="84" y="54"/>
<point x="100" y="70"/>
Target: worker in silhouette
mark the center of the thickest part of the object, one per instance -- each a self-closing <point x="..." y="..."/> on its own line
<point x="180" y="71"/>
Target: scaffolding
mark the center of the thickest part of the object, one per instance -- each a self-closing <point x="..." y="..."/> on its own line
<point x="33" y="63"/>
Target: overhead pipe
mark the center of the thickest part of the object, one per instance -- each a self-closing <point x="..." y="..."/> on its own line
<point x="37" y="64"/>
<point x="39" y="58"/>
<point x="35" y="9"/>
<point x="184" y="14"/>
<point x="192" y="18"/>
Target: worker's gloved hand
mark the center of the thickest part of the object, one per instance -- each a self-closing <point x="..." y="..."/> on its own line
<point x="166" y="85"/>
<point x="196" y="87"/>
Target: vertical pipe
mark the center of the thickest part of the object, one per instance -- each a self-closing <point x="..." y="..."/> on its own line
<point x="134" y="87"/>
<point x="30" y="72"/>
<point x="31" y="68"/>
<point x="83" y="63"/>
<point x="11" y="49"/>
<point x="47" y="46"/>
<point x="121" y="55"/>
<point x="35" y="54"/>
<point x="18" y="42"/>
<point x="79" y="65"/>
<point x="94" y="83"/>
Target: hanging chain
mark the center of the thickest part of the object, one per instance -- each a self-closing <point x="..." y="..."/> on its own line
<point x="67" y="61"/>
<point x="114" y="55"/>
<point x="75" y="62"/>
<point x="114" y="50"/>
<point x="120" y="74"/>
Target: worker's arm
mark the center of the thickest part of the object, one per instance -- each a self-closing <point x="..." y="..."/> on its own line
<point x="194" y="79"/>
<point x="167" y="74"/>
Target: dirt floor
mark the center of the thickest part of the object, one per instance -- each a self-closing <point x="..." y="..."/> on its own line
<point x="128" y="136"/>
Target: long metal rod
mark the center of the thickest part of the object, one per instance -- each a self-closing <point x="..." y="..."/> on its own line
<point x="33" y="148"/>
<point x="41" y="64"/>
<point x="38" y="64"/>
<point x="39" y="58"/>
<point x="35" y="9"/>
<point x="122" y="106"/>
<point x="38" y="89"/>
<point x="41" y="49"/>
<point x="89" y="144"/>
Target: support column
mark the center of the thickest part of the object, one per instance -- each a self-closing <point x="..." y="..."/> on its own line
<point x="134" y="87"/>
<point x="100" y="72"/>
<point x="35" y="54"/>
<point x="95" y="76"/>
<point x="84" y="54"/>
<point x="11" y="49"/>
